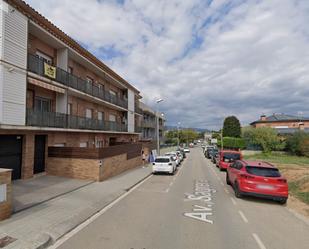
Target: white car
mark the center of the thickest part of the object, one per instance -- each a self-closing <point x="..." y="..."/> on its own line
<point x="186" y="150"/>
<point x="174" y="157"/>
<point x="179" y="155"/>
<point x="164" y="164"/>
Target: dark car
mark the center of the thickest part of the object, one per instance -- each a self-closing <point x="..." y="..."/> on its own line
<point x="209" y="150"/>
<point x="214" y="156"/>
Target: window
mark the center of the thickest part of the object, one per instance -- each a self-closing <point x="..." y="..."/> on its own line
<point x="100" y="115"/>
<point x="112" y="118"/>
<point x="113" y="93"/>
<point x="44" y="57"/>
<point x="70" y="109"/>
<point x="42" y="104"/>
<point x="162" y="160"/>
<point x="70" y="70"/>
<point x="262" y="171"/>
<point x="88" y="113"/>
<point x="83" y="144"/>
<point x="100" y="144"/>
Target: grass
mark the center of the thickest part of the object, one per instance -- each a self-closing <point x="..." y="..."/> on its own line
<point x="295" y="189"/>
<point x="280" y="158"/>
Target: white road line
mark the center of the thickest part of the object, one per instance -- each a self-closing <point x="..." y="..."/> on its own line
<point x="94" y="217"/>
<point x="225" y="189"/>
<point x="243" y="216"/>
<point x="233" y="200"/>
<point x="258" y="241"/>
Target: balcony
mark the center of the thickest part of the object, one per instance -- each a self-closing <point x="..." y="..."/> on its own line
<point x="64" y="121"/>
<point x="138" y="110"/>
<point x="149" y="124"/>
<point x="36" y="65"/>
<point x="138" y="129"/>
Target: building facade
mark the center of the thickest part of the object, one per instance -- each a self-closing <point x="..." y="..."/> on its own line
<point x="148" y="123"/>
<point x="284" y="124"/>
<point x="55" y="93"/>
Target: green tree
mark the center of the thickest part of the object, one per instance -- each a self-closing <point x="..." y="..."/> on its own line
<point x="296" y="143"/>
<point x="265" y="137"/>
<point x="231" y="127"/>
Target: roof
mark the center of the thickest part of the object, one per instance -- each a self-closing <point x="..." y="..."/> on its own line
<point x="280" y="117"/>
<point x="258" y="164"/>
<point x="36" y="17"/>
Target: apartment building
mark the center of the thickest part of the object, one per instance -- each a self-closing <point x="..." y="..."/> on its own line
<point x="55" y="93"/>
<point x="148" y="123"/>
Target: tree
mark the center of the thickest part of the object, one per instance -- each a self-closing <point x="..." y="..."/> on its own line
<point x="231" y="127"/>
<point x="265" y="137"/>
<point x="297" y="143"/>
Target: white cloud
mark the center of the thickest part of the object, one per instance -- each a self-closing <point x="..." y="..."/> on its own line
<point x="248" y="58"/>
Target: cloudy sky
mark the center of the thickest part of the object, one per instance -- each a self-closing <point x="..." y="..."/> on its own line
<point x="206" y="59"/>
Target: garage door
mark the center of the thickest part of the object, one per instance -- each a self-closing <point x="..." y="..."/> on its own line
<point x="11" y="154"/>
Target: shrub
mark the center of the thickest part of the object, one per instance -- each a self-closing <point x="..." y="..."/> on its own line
<point x="304" y="147"/>
<point x="296" y="144"/>
<point x="233" y="143"/>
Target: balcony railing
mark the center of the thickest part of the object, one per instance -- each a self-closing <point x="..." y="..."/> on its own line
<point x="138" y="110"/>
<point x="149" y="124"/>
<point x="36" y="65"/>
<point x="138" y="129"/>
<point x="60" y="120"/>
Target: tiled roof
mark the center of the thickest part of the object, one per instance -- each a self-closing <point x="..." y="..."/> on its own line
<point x="281" y="118"/>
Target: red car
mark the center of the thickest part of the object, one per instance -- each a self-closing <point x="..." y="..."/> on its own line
<point x="226" y="157"/>
<point x="259" y="179"/>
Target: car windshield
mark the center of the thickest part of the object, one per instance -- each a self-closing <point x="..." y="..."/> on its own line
<point x="262" y="171"/>
<point x="231" y="156"/>
<point x="162" y="160"/>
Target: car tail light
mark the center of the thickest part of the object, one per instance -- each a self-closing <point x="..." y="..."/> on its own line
<point x="244" y="176"/>
<point x="282" y="180"/>
<point x="170" y="164"/>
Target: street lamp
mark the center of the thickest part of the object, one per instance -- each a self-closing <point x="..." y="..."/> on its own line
<point x="157" y="130"/>
<point x="178" y="135"/>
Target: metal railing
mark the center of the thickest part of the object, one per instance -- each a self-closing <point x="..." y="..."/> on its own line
<point x="138" y="110"/>
<point x="138" y="129"/>
<point x="149" y="124"/>
<point x="61" y="120"/>
<point x="36" y="65"/>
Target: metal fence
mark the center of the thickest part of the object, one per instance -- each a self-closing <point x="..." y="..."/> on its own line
<point x="60" y="120"/>
<point x="36" y="65"/>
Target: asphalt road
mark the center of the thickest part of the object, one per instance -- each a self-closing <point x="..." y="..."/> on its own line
<point x="192" y="209"/>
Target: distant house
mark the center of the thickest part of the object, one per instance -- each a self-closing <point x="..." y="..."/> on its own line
<point x="284" y="124"/>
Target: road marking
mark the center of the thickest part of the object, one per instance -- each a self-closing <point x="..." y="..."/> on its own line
<point x="233" y="200"/>
<point x="243" y="216"/>
<point x="96" y="216"/>
<point x="258" y="241"/>
<point x="225" y="189"/>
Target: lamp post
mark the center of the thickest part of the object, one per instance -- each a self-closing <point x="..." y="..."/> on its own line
<point x="157" y="126"/>
<point x="178" y="134"/>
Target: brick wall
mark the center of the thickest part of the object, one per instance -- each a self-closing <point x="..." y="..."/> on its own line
<point x="27" y="156"/>
<point x="35" y="44"/>
<point x="6" y="207"/>
<point x="87" y="169"/>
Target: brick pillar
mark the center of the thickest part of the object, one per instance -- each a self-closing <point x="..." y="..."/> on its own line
<point x="6" y="193"/>
<point x="27" y="156"/>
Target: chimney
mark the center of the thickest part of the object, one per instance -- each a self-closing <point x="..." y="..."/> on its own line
<point x="301" y="126"/>
<point x="263" y="117"/>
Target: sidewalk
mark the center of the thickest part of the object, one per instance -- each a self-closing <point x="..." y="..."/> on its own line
<point x="42" y="225"/>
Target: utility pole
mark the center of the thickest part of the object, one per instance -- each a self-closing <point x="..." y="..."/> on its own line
<point x="157" y="126"/>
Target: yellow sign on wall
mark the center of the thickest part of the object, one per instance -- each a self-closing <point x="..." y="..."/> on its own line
<point x="49" y="71"/>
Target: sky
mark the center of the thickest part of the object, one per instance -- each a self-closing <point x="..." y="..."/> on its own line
<point x="207" y="59"/>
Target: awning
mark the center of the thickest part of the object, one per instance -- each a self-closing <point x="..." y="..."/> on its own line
<point x="46" y="85"/>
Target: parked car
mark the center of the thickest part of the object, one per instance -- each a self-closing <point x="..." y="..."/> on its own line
<point x="208" y="151"/>
<point x="259" y="179"/>
<point x="211" y="152"/>
<point x="191" y="145"/>
<point x="226" y="157"/>
<point x="214" y="156"/>
<point x="165" y="164"/>
<point x="186" y="150"/>
<point x="174" y="156"/>
<point x="182" y="152"/>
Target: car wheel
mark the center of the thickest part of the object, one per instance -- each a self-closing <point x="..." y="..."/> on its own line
<point x="283" y="201"/>
<point x="227" y="179"/>
<point x="237" y="191"/>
